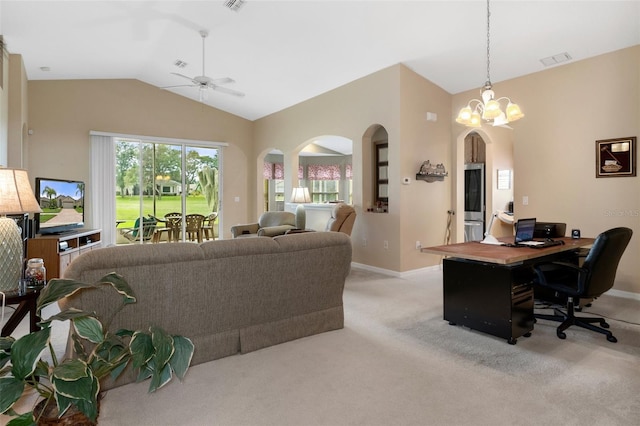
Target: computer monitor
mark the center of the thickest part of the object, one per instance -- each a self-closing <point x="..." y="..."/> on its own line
<point x="549" y="230"/>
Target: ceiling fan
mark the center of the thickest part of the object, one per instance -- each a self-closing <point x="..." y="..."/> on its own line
<point x="204" y="83"/>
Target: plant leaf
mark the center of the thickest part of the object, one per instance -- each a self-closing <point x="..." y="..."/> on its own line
<point x="141" y="349"/>
<point x="70" y="313"/>
<point x="81" y="388"/>
<point x="11" y="389"/>
<point x="26" y="351"/>
<point x="160" y="378"/>
<point x="163" y="345"/>
<point x="182" y="355"/>
<point x="59" y="288"/>
<point x="89" y="328"/>
<point x="121" y="287"/>
<point x="6" y="342"/>
<point x="71" y="369"/>
<point x="25" y="419"/>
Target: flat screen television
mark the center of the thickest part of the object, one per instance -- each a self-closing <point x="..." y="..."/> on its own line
<point x="62" y="204"/>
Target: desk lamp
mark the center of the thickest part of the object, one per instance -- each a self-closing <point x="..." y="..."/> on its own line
<point x="488" y="238"/>
<point x="299" y="196"/>
<point x="16" y="197"/>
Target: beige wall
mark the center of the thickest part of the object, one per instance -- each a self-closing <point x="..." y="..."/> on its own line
<point x="567" y="109"/>
<point x="4" y="109"/>
<point x="397" y="99"/>
<point x="18" y="113"/>
<point x="62" y="113"/>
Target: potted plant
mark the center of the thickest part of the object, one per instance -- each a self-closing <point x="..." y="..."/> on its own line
<point x="73" y="384"/>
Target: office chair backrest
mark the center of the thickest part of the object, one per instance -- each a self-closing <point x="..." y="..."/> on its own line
<point x="603" y="258"/>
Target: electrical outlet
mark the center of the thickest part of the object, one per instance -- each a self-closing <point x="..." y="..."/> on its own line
<point x="386" y="244"/>
<point x="525" y="200"/>
<point x="364" y="242"/>
<point x="418" y="245"/>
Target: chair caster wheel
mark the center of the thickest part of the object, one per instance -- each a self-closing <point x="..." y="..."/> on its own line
<point x="512" y="341"/>
<point x="527" y="334"/>
<point x="604" y="324"/>
<point x="452" y="323"/>
<point x="612" y="339"/>
<point x="561" y="335"/>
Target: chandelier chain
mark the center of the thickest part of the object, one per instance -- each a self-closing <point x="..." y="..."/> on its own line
<point x="488" y="44"/>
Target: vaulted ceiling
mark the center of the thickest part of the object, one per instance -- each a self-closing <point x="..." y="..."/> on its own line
<point x="283" y="52"/>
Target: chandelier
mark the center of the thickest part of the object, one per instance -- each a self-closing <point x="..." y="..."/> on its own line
<point x="488" y="109"/>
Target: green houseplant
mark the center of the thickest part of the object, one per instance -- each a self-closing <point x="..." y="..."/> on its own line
<point x="74" y="384"/>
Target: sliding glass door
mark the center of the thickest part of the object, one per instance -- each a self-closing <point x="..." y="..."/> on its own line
<point x="159" y="181"/>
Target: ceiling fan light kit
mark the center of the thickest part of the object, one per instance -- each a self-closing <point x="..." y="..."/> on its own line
<point x="203" y="82"/>
<point x="488" y="109"/>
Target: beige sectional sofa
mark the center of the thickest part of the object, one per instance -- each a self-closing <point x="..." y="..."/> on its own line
<point x="227" y="296"/>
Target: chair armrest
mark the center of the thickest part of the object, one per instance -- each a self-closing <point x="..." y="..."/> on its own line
<point x="250" y="228"/>
<point x="272" y="231"/>
<point x="542" y="268"/>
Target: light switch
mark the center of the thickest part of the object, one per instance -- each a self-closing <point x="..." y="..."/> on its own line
<point x="525" y="200"/>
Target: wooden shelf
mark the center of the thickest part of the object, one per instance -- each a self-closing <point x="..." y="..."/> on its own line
<point x="431" y="177"/>
<point x="56" y="259"/>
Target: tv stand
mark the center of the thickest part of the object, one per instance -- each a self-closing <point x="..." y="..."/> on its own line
<point x="59" y="250"/>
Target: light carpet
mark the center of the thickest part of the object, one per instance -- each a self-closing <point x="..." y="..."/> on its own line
<point x="397" y="362"/>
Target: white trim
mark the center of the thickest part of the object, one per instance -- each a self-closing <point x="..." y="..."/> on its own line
<point x="157" y="139"/>
<point x="624" y="294"/>
<point x="354" y="265"/>
<point x="396" y="274"/>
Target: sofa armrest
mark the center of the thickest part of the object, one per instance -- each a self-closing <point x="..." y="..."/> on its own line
<point x="250" y="228"/>
<point x="272" y="231"/>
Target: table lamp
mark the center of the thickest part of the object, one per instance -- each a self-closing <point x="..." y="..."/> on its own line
<point x="300" y="195"/>
<point x="16" y="197"/>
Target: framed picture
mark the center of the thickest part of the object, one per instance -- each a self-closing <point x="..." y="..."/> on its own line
<point x="504" y="179"/>
<point x="616" y="157"/>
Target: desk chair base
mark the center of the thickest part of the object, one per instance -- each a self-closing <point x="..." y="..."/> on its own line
<point x="568" y="318"/>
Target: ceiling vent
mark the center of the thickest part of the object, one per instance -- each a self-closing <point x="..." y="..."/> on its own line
<point x="555" y="59"/>
<point x="180" y="64"/>
<point x="234" y="5"/>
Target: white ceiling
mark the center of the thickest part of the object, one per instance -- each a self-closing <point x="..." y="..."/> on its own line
<point x="283" y="52"/>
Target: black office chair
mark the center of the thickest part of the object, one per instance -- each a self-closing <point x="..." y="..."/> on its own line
<point x="587" y="281"/>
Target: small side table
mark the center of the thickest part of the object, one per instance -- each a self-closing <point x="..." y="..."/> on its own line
<point x="26" y="304"/>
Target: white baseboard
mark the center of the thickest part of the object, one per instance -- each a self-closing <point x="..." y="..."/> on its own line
<point x="624" y="294"/>
<point x="396" y="274"/>
<point x="389" y="272"/>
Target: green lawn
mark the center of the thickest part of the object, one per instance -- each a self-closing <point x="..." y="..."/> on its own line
<point x="128" y="208"/>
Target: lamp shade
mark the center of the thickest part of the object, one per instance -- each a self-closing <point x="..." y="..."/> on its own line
<point x="16" y="195"/>
<point x="300" y="195"/>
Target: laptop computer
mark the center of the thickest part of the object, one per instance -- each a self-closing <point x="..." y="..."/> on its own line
<point x="524" y="233"/>
<point x="525" y="229"/>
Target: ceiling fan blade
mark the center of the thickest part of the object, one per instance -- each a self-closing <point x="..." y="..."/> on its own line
<point x="180" y="85"/>
<point x="224" y="80"/>
<point x="228" y="91"/>
<point x="184" y="76"/>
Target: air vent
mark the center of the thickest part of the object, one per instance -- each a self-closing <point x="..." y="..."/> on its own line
<point x="180" y="64"/>
<point x="234" y="5"/>
<point x="556" y="59"/>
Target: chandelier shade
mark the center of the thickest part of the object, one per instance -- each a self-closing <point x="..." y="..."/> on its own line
<point x="489" y="109"/>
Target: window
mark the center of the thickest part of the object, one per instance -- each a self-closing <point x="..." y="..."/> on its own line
<point x="323" y="191"/>
<point x="158" y="178"/>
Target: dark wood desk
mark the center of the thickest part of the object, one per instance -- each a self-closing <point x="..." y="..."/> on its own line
<point x="26" y="305"/>
<point x="489" y="287"/>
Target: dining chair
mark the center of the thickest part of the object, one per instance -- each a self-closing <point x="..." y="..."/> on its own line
<point x="173" y="223"/>
<point x="208" y="230"/>
<point x="193" y="226"/>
